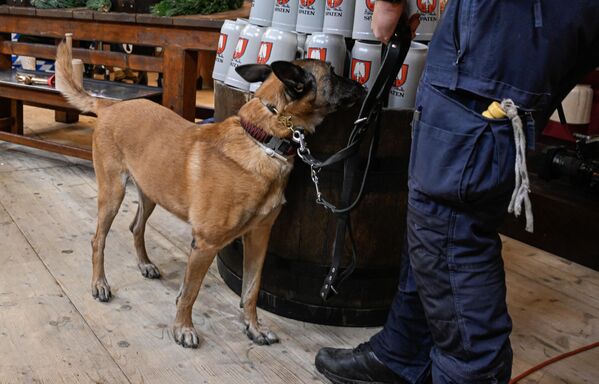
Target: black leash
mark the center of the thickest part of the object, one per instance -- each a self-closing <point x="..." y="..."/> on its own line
<point x="369" y="116"/>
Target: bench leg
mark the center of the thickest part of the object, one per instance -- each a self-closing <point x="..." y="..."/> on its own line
<point x="11" y="116"/>
<point x="179" y="89"/>
<point x="68" y="117"/>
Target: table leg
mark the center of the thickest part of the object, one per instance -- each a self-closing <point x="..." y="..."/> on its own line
<point x="179" y="85"/>
<point x="68" y="117"/>
<point x="11" y="116"/>
<point x="205" y="67"/>
<point x="5" y="61"/>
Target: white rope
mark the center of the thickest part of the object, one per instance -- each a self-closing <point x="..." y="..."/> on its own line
<point x="522" y="187"/>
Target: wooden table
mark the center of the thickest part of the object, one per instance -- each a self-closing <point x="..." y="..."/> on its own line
<point x="46" y="96"/>
<point x="180" y="37"/>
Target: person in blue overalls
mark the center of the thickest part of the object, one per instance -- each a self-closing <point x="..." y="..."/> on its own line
<point x="449" y="321"/>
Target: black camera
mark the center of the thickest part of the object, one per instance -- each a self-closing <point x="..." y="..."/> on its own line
<point x="580" y="166"/>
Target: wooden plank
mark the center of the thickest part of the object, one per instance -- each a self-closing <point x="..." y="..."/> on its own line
<point x="83" y="13"/>
<point x="146" y="18"/>
<point x="180" y="67"/>
<point x="6" y="123"/>
<point x="195" y="38"/>
<point x="573" y="280"/>
<point x="53" y="99"/>
<point x="68" y="150"/>
<point x="548" y="323"/>
<point x="43" y="338"/>
<point x="16" y="114"/>
<point x="5" y="59"/>
<point x="120" y="17"/>
<point x="67" y="117"/>
<point x="117" y="59"/>
<point x="57" y="13"/>
<point x="17" y="157"/>
<point x="22" y="11"/>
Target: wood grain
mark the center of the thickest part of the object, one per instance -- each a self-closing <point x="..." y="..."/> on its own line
<point x="117" y="59"/>
<point x="43" y="338"/>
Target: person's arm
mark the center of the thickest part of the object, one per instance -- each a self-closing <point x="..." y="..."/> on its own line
<point x="386" y="16"/>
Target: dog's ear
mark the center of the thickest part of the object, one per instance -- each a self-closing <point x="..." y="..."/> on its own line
<point x="253" y="73"/>
<point x="295" y="79"/>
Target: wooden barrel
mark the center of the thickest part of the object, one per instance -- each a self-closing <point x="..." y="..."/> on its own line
<point x="300" y="247"/>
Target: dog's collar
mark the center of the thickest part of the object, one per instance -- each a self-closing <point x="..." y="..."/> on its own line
<point x="272" y="145"/>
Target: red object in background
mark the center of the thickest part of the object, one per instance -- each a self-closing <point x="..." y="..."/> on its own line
<point x="564" y="132"/>
<point x="559" y="131"/>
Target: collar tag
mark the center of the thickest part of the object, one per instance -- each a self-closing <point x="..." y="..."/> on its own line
<point x="286" y="122"/>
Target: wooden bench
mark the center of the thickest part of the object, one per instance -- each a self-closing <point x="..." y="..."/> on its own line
<point x="14" y="94"/>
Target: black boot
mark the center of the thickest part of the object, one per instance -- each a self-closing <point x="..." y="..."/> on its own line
<point x="354" y="366"/>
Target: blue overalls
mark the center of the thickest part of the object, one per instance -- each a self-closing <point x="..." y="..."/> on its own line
<point x="449" y="318"/>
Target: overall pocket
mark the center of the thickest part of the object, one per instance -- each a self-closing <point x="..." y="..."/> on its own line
<point x="457" y="154"/>
<point x="451" y="165"/>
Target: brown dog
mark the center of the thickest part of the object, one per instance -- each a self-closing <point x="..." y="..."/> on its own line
<point x="217" y="177"/>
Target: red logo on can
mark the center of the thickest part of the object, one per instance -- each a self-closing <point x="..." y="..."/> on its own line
<point x="282" y="2"/>
<point x="370" y="5"/>
<point x="222" y="43"/>
<point x="334" y="3"/>
<point x="306" y="3"/>
<point x="427" y="6"/>
<point x="317" y="53"/>
<point x="360" y="70"/>
<point x="264" y="52"/>
<point x="402" y="76"/>
<point x="242" y="44"/>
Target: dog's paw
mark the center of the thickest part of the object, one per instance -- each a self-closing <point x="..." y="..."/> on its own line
<point x="101" y="290"/>
<point x="262" y="336"/>
<point x="186" y="336"/>
<point x="149" y="270"/>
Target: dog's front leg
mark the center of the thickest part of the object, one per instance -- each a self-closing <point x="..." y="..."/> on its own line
<point x="200" y="258"/>
<point x="255" y="244"/>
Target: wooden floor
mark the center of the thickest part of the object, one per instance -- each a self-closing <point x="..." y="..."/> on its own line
<point x="53" y="331"/>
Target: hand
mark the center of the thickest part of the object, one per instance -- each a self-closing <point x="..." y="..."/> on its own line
<point x="386" y="16"/>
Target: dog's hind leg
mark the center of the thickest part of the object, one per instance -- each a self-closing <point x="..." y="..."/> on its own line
<point x="138" y="228"/>
<point x="111" y="190"/>
<point x="200" y="259"/>
<point x="255" y="244"/>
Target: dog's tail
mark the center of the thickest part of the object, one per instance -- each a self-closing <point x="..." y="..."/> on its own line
<point x="73" y="92"/>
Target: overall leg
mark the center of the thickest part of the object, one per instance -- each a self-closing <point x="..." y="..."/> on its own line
<point x="456" y="258"/>
<point x="461" y="177"/>
<point x="404" y="344"/>
<point x="255" y="244"/>
<point x="138" y="228"/>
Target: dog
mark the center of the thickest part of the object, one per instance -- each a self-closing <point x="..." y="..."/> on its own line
<point x="218" y="177"/>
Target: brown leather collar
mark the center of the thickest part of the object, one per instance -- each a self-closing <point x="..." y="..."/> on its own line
<point x="278" y="145"/>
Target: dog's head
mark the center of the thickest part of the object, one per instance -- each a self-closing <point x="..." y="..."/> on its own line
<point x="304" y="90"/>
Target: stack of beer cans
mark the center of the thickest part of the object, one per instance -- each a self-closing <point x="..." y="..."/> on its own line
<point x="323" y="30"/>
